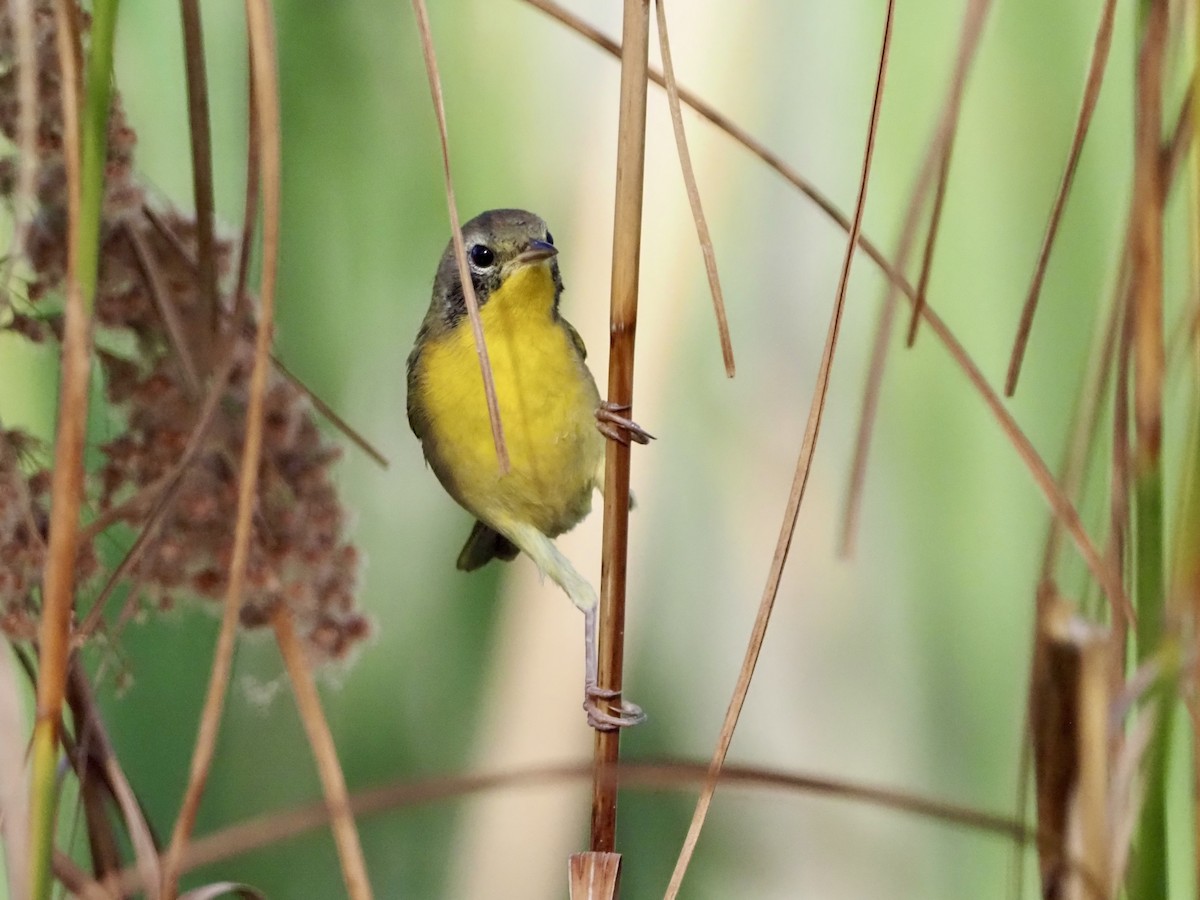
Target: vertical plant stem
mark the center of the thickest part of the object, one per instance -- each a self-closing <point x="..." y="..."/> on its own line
<point x="1150" y="862"/>
<point x="202" y="177"/>
<point x="84" y="145"/>
<point x="333" y="782"/>
<point x="804" y="460"/>
<point x="266" y="88"/>
<point x="627" y="239"/>
<point x="1185" y="590"/>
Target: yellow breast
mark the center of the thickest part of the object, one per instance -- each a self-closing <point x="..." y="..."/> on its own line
<point x="547" y="401"/>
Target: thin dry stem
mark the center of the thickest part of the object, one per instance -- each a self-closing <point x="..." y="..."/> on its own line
<point x="333" y="782"/>
<point x="935" y="225"/>
<point x="693" y="191"/>
<point x="796" y="495"/>
<point x="972" y="31"/>
<point x="202" y="175"/>
<point x="1091" y="94"/>
<point x="265" y="86"/>
<point x="464" y="274"/>
<point x="627" y="240"/>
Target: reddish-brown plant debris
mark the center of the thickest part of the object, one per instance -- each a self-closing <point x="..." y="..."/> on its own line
<point x="148" y="275"/>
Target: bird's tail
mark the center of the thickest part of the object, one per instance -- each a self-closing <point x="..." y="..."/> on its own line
<point x="483" y="545"/>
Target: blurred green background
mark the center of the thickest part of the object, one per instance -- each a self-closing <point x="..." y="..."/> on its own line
<point x="903" y="667"/>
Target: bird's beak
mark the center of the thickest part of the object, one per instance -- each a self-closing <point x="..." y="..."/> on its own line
<point x="535" y="252"/>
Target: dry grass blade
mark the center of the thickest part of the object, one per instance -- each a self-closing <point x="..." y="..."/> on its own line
<point x="66" y="492"/>
<point x="14" y="787"/>
<point x="626" y="260"/>
<point x="935" y="225"/>
<point x="265" y="86"/>
<point x="250" y="212"/>
<point x="796" y="495"/>
<point x="333" y="782"/>
<point x="935" y="160"/>
<point x="331" y="414"/>
<point x="202" y="174"/>
<point x="166" y="309"/>
<point x="658" y="775"/>
<point x="1091" y="93"/>
<point x="693" y="191"/>
<point x="464" y="274"/>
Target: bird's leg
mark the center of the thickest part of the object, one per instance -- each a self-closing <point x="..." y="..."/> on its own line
<point x="626" y="713"/>
<point x="617" y="427"/>
<point x="558" y="568"/>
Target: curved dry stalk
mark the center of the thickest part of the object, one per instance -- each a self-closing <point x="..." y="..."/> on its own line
<point x="667" y="774"/>
<point x="333" y="782"/>
<point x="464" y="274"/>
<point x="1091" y="94"/>
<point x="265" y="86"/>
<point x="935" y="227"/>
<point x="693" y="191"/>
<point x="795" y="497"/>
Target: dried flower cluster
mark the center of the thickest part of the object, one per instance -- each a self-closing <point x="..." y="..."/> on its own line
<point x="148" y="286"/>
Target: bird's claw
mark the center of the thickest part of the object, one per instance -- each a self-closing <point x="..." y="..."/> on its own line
<point x="617" y="427"/>
<point x="626" y="715"/>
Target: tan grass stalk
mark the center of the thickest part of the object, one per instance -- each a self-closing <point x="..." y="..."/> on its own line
<point x="333" y="782"/>
<point x="265" y="86"/>
<point x="796" y="495"/>
<point x="202" y="176"/>
<point x="58" y="582"/>
<point x="627" y="239"/>
<point x="1091" y="94"/>
<point x="464" y="274"/>
<point x="352" y="434"/>
<point x="693" y="191"/>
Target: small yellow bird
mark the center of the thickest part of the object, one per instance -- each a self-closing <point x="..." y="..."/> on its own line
<point x="550" y="411"/>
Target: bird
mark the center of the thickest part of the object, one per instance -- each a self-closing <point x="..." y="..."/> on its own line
<point x="554" y="422"/>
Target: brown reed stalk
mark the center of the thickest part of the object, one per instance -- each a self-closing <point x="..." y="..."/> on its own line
<point x="333" y="782"/>
<point x="464" y="274"/>
<point x="265" y="87"/>
<point x="202" y="177"/>
<point x="627" y="239"/>
<point x="693" y="190"/>
<point x="1091" y="94"/>
<point x="796" y="495"/>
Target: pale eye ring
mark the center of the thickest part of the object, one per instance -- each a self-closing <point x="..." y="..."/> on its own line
<point x="482" y="256"/>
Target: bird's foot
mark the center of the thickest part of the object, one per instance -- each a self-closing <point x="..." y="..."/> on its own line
<point x="625" y="715"/>
<point x="617" y="427"/>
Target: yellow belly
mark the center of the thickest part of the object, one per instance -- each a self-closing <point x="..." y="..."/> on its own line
<point x="547" y="402"/>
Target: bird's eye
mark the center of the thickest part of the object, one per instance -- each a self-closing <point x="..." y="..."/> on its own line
<point x="482" y="256"/>
<point x="549" y="238"/>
